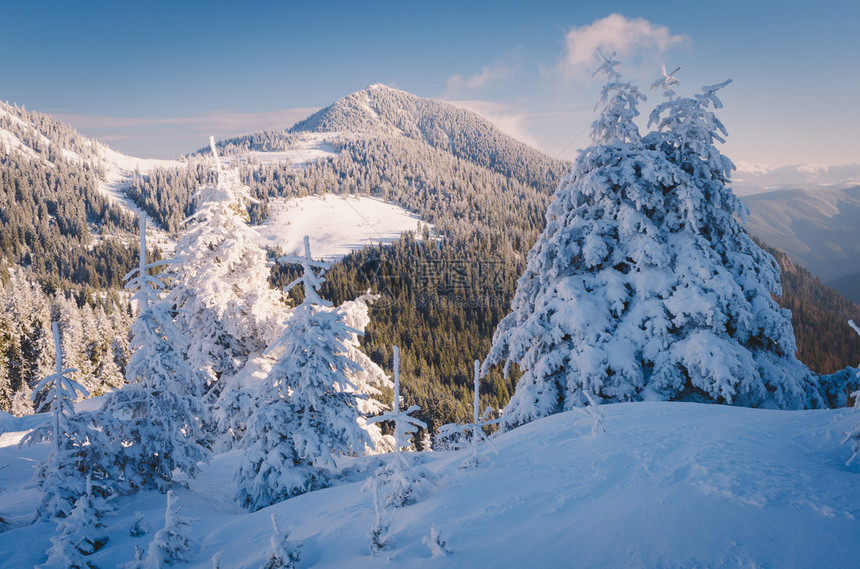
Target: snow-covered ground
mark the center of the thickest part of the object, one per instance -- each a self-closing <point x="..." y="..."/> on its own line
<point x="336" y="224"/>
<point x="310" y="147"/>
<point x="666" y="485"/>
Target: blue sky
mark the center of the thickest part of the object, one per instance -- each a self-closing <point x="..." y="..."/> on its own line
<point x="156" y="78"/>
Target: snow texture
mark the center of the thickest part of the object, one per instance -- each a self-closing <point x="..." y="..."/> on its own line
<point x="337" y="224"/>
<point x="669" y="484"/>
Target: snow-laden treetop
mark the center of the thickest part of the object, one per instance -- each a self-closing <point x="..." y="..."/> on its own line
<point x="644" y="285"/>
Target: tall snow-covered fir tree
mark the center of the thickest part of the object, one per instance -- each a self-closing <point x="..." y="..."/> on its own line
<point x="61" y="476"/>
<point x="156" y="420"/>
<point x="644" y="285"/>
<point x="307" y="409"/>
<point x="227" y="309"/>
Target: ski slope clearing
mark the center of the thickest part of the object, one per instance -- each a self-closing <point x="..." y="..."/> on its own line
<point x="666" y="485"/>
<point x="309" y="148"/>
<point x="336" y="225"/>
<point x="119" y="171"/>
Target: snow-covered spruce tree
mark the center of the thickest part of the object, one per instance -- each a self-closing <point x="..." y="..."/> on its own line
<point x="281" y="554"/>
<point x="370" y="380"/>
<point x="61" y="476"/>
<point x="156" y="420"/>
<point x="306" y="410"/>
<point x="227" y="309"/>
<point x="643" y="285"/>
<point x="79" y="534"/>
<point x="172" y="543"/>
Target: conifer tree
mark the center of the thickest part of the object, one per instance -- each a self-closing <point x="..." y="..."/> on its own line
<point x="226" y="307"/>
<point x="79" y="534"/>
<point x="60" y="477"/>
<point x="370" y="380"/>
<point x="172" y="543"/>
<point x="157" y="417"/>
<point x="306" y="411"/>
<point x="280" y="554"/>
<point x="400" y="482"/>
<point x="643" y="285"/>
<point x="723" y="295"/>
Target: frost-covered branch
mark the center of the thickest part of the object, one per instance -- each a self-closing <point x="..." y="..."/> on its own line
<point x="311" y="280"/>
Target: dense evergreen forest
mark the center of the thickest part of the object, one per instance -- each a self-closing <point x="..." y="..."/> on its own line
<point x="819" y="315"/>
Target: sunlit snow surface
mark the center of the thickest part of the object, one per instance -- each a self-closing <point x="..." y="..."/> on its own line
<point x="307" y="148"/>
<point x="667" y="485"/>
<point x="335" y="224"/>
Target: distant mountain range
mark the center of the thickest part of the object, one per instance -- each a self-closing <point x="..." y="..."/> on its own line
<point x="751" y="179"/>
<point x="819" y="229"/>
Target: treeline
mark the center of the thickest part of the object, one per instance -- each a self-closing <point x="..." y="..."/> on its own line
<point x="441" y="297"/>
<point x="456" y="131"/>
<point x="43" y="135"/>
<point x="167" y="194"/>
<point x="458" y="197"/>
<point x="441" y="301"/>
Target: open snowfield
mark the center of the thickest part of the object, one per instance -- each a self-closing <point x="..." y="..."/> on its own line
<point x="310" y="147"/>
<point x="336" y="224"/>
<point x="666" y="485"/>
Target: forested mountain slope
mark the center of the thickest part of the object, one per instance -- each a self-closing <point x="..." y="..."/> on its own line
<point x="817" y="228"/>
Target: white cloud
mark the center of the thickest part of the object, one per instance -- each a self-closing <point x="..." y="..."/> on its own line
<point x="458" y="84"/>
<point x="613" y="33"/>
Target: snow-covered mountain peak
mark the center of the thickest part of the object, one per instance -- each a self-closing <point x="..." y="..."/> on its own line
<point x="380" y="87"/>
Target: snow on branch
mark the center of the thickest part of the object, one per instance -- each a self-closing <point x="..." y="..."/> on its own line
<point x="454" y="430"/>
<point x="139" y="279"/>
<point x="65" y="389"/>
<point x="310" y="279"/>
<point x="405" y="425"/>
<point x="667" y="81"/>
<point x="217" y="159"/>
